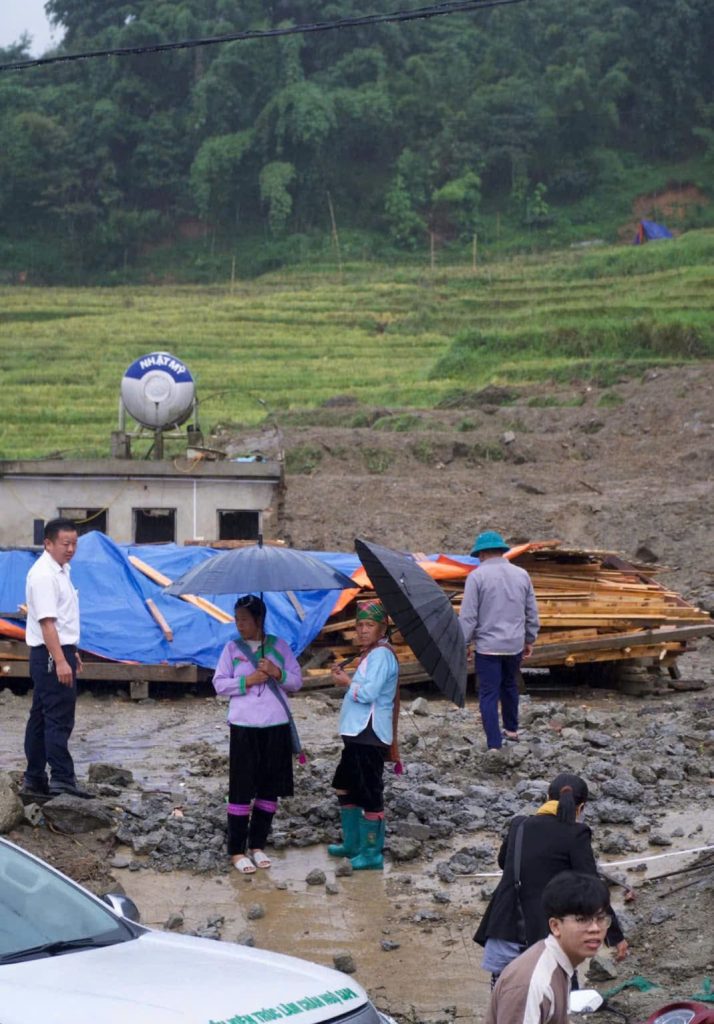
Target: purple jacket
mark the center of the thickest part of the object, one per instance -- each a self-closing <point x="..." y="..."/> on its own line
<point x="255" y="705"/>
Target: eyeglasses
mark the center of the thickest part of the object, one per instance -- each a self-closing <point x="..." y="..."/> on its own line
<point x="585" y="920"/>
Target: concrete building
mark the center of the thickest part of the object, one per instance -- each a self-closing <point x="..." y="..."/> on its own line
<point x="143" y="502"/>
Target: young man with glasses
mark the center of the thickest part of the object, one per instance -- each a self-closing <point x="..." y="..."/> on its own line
<point x="535" y="987"/>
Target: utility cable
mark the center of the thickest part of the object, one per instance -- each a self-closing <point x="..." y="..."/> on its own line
<point x="433" y="11"/>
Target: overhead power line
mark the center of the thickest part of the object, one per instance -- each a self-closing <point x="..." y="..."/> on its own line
<point x="433" y="11"/>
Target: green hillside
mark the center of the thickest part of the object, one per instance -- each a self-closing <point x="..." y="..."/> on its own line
<point x="390" y="335"/>
<point x="531" y="124"/>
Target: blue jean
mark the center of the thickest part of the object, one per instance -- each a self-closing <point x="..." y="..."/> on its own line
<point x="51" y="721"/>
<point x="497" y="681"/>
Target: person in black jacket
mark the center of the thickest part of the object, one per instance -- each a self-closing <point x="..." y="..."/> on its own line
<point x="551" y="840"/>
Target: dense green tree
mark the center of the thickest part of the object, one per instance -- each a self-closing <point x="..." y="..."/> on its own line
<point x="274" y="180"/>
<point x="408" y="128"/>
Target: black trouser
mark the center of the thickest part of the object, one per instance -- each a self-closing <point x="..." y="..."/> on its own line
<point x="360" y="774"/>
<point x="51" y="720"/>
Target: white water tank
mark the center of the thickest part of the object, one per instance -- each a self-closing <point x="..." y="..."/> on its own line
<point x="158" y="391"/>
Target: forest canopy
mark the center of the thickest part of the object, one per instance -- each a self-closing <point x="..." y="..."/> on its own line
<point x="408" y="128"/>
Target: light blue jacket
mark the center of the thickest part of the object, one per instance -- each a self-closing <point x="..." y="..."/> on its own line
<point x="371" y="695"/>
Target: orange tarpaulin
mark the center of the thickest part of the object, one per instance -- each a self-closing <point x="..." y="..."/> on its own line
<point x="437" y="570"/>
<point x="443" y="568"/>
<point x="10" y="629"/>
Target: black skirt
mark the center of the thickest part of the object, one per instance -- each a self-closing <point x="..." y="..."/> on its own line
<point x="261" y="763"/>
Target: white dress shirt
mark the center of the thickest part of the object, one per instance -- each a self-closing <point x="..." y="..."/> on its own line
<point x="50" y="595"/>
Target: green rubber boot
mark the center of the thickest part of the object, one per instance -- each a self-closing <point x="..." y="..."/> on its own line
<point x="349" y="847"/>
<point x="371" y="844"/>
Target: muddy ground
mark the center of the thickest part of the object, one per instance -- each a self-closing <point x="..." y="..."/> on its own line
<point x="629" y="469"/>
<point x="649" y="763"/>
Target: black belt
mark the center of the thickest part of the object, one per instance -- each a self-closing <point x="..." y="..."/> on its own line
<point x="44" y="647"/>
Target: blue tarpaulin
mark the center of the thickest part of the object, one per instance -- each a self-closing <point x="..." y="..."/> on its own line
<point x="116" y="623"/>
<point x="650" y="231"/>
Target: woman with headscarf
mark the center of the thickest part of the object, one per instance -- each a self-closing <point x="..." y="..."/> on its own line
<point x="368" y="728"/>
<point x="537" y="848"/>
<point x="256" y="670"/>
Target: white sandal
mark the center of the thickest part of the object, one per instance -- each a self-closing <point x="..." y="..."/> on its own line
<point x="260" y="859"/>
<point x="244" y="864"/>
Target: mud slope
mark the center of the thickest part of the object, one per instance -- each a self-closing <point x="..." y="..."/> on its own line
<point x="628" y="467"/>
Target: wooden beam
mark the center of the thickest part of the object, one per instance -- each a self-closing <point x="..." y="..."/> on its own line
<point x="290" y="594"/>
<point x="120" y="672"/>
<point x="635" y="639"/>
<point x="163" y="581"/>
<point x="160" y="620"/>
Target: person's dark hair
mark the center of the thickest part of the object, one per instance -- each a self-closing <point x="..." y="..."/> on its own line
<point x="570" y="791"/>
<point x="254" y="605"/>
<point x="55" y="526"/>
<point x="572" y="892"/>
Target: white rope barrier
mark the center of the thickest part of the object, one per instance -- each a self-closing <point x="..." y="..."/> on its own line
<point x="613" y="863"/>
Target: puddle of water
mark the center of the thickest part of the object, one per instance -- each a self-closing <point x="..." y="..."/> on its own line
<point x="435" y="966"/>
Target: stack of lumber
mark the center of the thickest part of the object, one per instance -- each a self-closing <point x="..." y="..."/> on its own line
<point x="594" y="606"/>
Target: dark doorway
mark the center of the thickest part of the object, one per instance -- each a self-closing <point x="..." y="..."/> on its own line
<point x="235" y="524"/>
<point x="154" y="525"/>
<point x="86" y="519"/>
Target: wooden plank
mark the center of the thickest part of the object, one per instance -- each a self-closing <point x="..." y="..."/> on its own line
<point x="114" y="671"/>
<point x="229" y="545"/>
<point x="656" y="652"/>
<point x="14" y="649"/>
<point x="335" y="627"/>
<point x="160" y="620"/>
<point x="290" y="594"/>
<point x="650" y="636"/>
<point x="163" y="581"/>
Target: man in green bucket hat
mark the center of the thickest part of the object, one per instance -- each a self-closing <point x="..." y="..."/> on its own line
<point x="499" y="614"/>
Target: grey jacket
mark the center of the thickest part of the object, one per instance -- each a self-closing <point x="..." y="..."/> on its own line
<point x="499" y="612"/>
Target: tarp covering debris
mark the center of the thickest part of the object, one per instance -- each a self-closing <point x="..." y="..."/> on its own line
<point x="116" y="623"/>
<point x="650" y="231"/>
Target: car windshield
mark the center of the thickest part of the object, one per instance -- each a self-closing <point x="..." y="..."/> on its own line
<point x="42" y="914"/>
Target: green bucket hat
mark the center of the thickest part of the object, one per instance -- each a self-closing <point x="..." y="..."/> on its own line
<point x="489" y="541"/>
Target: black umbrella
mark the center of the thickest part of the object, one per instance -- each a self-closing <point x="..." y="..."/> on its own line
<point x="423" y="614"/>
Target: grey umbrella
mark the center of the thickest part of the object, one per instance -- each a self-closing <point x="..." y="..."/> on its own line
<point x="258" y="568"/>
<point x="423" y="614"/>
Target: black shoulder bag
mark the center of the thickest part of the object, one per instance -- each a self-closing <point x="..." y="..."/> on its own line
<point x="517" y="856"/>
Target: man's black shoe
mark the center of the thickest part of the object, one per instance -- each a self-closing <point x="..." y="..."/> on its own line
<point x="34" y="795"/>
<point x="69" y="789"/>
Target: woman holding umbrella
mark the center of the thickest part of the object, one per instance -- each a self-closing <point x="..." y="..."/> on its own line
<point x="254" y="670"/>
<point x="367" y="726"/>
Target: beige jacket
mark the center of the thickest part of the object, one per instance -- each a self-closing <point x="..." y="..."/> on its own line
<point x="534" y="988"/>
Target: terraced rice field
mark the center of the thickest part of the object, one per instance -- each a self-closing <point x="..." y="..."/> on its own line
<point x="387" y="335"/>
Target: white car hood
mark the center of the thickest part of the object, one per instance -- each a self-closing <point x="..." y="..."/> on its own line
<point x="161" y="978"/>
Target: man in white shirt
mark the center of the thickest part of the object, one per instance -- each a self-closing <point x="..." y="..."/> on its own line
<point x="52" y="634"/>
